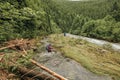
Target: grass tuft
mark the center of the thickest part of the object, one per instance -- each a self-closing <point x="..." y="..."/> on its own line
<point x="99" y="60"/>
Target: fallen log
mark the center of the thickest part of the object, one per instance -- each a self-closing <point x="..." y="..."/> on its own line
<point x="48" y="70"/>
<point x="36" y="63"/>
<point x="45" y="68"/>
<point x="13" y="45"/>
<point x="31" y="73"/>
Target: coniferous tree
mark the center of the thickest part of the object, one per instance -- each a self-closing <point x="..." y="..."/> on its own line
<point x="116" y="11"/>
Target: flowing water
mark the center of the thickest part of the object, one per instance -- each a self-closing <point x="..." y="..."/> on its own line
<point x="115" y="46"/>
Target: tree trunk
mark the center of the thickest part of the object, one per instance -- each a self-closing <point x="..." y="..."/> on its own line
<point x="24" y="72"/>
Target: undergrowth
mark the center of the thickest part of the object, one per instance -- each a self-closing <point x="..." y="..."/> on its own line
<point x="14" y="60"/>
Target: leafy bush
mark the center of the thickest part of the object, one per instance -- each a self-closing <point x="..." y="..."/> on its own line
<point x="24" y="22"/>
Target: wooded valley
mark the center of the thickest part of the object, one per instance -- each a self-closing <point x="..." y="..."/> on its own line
<point x="30" y="18"/>
<point x="28" y="26"/>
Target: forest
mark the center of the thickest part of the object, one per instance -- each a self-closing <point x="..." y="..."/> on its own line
<point x="96" y="19"/>
<point x="31" y="18"/>
<point x="25" y="19"/>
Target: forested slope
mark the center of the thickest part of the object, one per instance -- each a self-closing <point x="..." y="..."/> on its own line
<point x="25" y="19"/>
<point x="97" y="18"/>
<point x="31" y="18"/>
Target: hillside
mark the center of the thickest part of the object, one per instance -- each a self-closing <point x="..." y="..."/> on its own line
<point x="19" y="18"/>
<point x="98" y="19"/>
<point x="25" y="23"/>
<point x="102" y="60"/>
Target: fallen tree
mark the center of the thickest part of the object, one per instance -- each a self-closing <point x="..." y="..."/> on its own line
<point x="33" y="73"/>
<point x="24" y="72"/>
<point x="48" y="70"/>
<point x="45" y="68"/>
<point x="17" y="44"/>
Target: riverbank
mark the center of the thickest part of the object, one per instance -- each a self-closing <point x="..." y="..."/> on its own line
<point x="95" y="58"/>
<point x="115" y="46"/>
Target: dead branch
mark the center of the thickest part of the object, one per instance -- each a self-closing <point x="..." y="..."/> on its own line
<point x="45" y="68"/>
<point x="48" y="70"/>
<point x="31" y="73"/>
<point x="36" y="63"/>
<point x="13" y="45"/>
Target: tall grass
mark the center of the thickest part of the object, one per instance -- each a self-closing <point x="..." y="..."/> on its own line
<point x="97" y="59"/>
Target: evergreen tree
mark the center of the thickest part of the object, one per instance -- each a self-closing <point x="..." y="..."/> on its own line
<point x="116" y="11"/>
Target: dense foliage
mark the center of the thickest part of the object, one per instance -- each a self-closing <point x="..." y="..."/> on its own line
<point x="26" y="19"/>
<point x="31" y="18"/>
<point x="97" y="18"/>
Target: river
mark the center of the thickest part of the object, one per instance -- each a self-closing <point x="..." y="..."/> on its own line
<point x="115" y="46"/>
